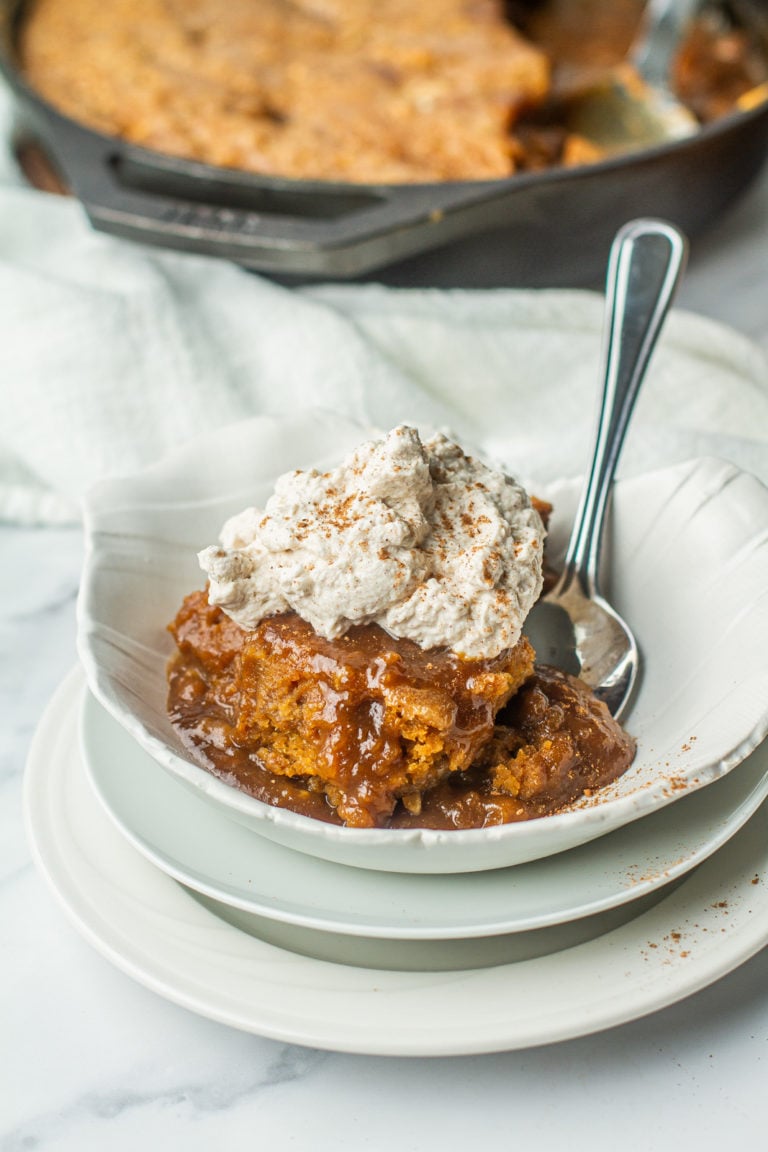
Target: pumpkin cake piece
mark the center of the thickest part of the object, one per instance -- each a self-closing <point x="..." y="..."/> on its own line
<point x="380" y="606"/>
<point x="362" y="721"/>
<point x="553" y="743"/>
<point x="360" y="636"/>
<point x="367" y="719"/>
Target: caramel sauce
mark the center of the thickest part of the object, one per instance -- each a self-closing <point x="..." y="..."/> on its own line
<point x="717" y="62"/>
<point x="369" y="730"/>
<point x="552" y="744"/>
<point x="584" y="40"/>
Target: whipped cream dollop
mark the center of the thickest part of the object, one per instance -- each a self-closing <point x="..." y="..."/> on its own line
<point x="419" y="538"/>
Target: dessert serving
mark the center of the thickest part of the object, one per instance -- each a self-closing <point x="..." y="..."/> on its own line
<point x="358" y="653"/>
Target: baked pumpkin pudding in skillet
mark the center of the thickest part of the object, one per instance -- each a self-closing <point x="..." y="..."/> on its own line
<point x="359" y="91"/>
<point x="358" y="657"/>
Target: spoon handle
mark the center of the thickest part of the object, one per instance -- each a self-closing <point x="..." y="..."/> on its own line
<point x="663" y="26"/>
<point x="644" y="268"/>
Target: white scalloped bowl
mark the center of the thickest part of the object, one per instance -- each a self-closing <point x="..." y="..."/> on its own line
<point x="689" y="564"/>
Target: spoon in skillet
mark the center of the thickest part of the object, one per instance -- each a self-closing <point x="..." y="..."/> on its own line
<point x="573" y="627"/>
<point x="633" y="106"/>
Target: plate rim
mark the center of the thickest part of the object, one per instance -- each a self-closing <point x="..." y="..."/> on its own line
<point x="90" y="712"/>
<point x="393" y="1000"/>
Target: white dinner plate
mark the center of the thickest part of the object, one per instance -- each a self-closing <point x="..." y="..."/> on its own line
<point x="199" y="846"/>
<point x="689" y="572"/>
<point x="155" y="931"/>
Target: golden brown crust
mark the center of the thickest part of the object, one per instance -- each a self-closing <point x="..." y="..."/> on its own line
<point x="381" y="91"/>
<point x="351" y="90"/>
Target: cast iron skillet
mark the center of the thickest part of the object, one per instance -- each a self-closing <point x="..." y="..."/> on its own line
<point x="549" y="228"/>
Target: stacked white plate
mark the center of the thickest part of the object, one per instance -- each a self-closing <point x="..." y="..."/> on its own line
<point x="416" y="943"/>
<point x="270" y="940"/>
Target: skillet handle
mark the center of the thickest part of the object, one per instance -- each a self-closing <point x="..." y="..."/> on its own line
<point x="284" y="226"/>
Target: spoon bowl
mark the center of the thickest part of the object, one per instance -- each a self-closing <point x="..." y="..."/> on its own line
<point x="587" y="638"/>
<point x="574" y="627"/>
<point x="633" y="105"/>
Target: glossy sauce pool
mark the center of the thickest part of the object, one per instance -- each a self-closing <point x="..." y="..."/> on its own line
<point x="548" y="745"/>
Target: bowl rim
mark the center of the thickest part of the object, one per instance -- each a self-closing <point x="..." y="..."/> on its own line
<point x="594" y="811"/>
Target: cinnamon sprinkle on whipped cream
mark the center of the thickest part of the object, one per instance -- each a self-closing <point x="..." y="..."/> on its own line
<point x="427" y="542"/>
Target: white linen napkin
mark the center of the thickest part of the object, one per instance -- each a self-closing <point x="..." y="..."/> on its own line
<point x="111" y="353"/>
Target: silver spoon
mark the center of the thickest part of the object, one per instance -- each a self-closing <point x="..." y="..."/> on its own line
<point x="633" y="106"/>
<point x="573" y="627"/>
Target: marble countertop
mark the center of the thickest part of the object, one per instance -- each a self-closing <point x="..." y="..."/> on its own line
<point x="92" y="1060"/>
